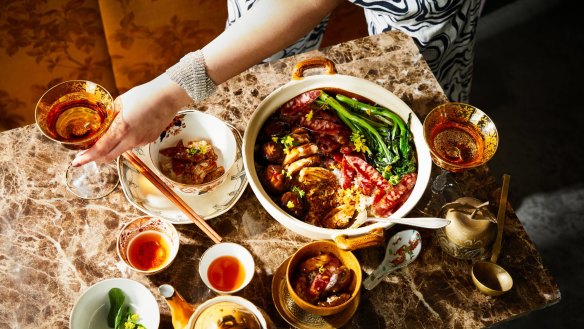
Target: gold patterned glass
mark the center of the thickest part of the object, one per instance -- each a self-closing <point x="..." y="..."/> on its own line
<point x="76" y="114"/>
<point x="460" y="136"/>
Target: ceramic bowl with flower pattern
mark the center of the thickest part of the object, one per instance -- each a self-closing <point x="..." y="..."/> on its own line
<point x="188" y="127"/>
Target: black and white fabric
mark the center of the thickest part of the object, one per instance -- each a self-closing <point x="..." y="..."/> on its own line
<point x="444" y="31"/>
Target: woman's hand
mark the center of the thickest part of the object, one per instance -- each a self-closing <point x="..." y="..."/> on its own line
<point x="143" y="112"/>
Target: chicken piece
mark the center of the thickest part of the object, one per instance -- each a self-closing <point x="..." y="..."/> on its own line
<point x="340" y="280"/>
<point x="211" y="176"/>
<point x="339" y="217"/>
<point x="315" y="263"/>
<point x="299" y="152"/>
<point x="335" y="300"/>
<point x="316" y="176"/>
<point x="195" y="173"/>
<point x="295" y="166"/>
<point x="320" y="186"/>
<point x="301" y="135"/>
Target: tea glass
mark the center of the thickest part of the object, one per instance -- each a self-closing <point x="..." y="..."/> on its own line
<point x="76" y="113"/>
<point x="460" y="136"/>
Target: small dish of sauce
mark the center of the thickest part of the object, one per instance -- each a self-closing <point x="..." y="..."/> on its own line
<point x="226" y="267"/>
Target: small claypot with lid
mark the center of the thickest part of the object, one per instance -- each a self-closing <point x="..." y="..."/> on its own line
<point x="471" y="231"/>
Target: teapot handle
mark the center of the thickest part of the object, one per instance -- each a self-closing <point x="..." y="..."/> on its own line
<point x="180" y="309"/>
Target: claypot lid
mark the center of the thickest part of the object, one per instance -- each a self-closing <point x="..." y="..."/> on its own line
<point x="222" y="313"/>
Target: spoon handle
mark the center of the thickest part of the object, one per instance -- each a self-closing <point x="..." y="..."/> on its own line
<point x="377" y="276"/>
<point x="425" y="222"/>
<point x="501" y="218"/>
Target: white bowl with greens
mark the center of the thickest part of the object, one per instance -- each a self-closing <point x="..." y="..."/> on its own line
<point x="134" y="303"/>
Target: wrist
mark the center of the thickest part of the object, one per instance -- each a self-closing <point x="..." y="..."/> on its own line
<point x="172" y="94"/>
<point x="190" y="73"/>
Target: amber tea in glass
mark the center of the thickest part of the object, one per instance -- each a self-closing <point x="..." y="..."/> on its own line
<point x="460" y="136"/>
<point x="76" y="114"/>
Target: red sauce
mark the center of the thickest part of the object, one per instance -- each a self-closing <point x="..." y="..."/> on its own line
<point x="226" y="273"/>
<point x="148" y="251"/>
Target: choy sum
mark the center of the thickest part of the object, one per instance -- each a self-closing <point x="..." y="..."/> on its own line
<point x="119" y="315"/>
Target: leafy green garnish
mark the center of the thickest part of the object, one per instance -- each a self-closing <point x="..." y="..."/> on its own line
<point x="299" y="191"/>
<point x="193" y="151"/>
<point x="116" y="299"/>
<point x="119" y="315"/>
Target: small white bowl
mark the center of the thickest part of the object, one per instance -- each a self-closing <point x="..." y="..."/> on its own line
<point x="145" y="224"/>
<point x="227" y="249"/>
<point x="191" y="125"/>
<point x="91" y="309"/>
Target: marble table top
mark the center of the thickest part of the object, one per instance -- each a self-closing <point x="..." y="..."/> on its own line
<point x="53" y="245"/>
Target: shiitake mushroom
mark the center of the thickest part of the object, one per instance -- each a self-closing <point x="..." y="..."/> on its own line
<point x="274" y="127"/>
<point x="293" y="204"/>
<point x="272" y="152"/>
<point x="274" y="179"/>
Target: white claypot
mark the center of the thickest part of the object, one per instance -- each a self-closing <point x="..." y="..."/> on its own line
<point x="371" y="91"/>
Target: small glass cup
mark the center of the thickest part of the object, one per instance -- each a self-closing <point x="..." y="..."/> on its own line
<point x="148" y="244"/>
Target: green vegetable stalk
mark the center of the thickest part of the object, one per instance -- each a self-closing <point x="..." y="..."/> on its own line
<point x="391" y="153"/>
<point x="383" y="112"/>
<point x="358" y="124"/>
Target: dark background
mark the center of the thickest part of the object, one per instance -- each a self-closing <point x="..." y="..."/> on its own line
<point x="527" y="67"/>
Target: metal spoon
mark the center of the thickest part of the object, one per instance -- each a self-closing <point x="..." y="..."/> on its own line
<point x="424" y="222"/>
<point x="402" y="249"/>
<point x="490" y="278"/>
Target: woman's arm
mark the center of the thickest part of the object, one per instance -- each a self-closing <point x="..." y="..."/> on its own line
<point x="145" y="110"/>
<point x="269" y="27"/>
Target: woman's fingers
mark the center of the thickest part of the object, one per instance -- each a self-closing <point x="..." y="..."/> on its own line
<point x="102" y="150"/>
<point x="143" y="112"/>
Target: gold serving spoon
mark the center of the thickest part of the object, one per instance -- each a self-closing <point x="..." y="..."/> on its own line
<point x="490" y="278"/>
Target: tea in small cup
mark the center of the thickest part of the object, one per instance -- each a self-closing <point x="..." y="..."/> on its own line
<point x="148" y="244"/>
<point x="226" y="267"/>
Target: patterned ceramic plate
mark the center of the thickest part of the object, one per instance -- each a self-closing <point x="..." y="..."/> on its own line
<point x="144" y="196"/>
<point x="297" y="317"/>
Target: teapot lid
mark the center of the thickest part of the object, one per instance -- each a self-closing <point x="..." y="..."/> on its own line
<point x="227" y="312"/>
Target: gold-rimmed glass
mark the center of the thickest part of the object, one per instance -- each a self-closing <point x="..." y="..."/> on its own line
<point x="76" y="113"/>
<point x="460" y="136"/>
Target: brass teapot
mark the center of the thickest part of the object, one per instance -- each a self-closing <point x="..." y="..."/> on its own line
<point x="221" y="312"/>
<point x="471" y="231"/>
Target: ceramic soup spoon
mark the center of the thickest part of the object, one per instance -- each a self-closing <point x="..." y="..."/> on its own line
<point x="402" y="249"/>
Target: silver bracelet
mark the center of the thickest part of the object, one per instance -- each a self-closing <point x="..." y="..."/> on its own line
<point x="191" y="75"/>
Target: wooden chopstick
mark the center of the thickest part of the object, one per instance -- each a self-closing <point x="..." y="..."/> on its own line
<point x="171" y="195"/>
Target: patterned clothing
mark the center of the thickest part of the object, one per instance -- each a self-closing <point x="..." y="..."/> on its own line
<point x="444" y="31"/>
